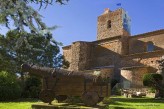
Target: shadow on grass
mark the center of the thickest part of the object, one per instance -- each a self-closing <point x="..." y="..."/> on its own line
<point x="21" y="100"/>
<point x="109" y="107"/>
<point x="139" y="100"/>
<point x="118" y="104"/>
<point x="132" y="103"/>
<point x="77" y="105"/>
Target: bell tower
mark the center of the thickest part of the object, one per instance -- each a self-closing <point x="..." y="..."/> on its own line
<point x="113" y="23"/>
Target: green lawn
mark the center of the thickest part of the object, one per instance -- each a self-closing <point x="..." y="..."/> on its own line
<point x="135" y="103"/>
<point x="18" y="104"/>
<point x="113" y="103"/>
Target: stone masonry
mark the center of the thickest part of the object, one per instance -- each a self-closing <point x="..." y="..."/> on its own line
<point x="110" y="24"/>
<point x="116" y="50"/>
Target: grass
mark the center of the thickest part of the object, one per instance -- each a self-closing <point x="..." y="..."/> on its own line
<point x="18" y="104"/>
<point x="26" y="104"/>
<point x="135" y="103"/>
<point x="113" y="103"/>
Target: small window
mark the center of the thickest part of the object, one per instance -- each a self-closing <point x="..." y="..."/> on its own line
<point x="150" y="47"/>
<point x="109" y="24"/>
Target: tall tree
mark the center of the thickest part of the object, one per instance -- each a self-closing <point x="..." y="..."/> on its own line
<point x="43" y="50"/>
<point x="24" y="15"/>
<point x="4" y="57"/>
<point x="18" y="46"/>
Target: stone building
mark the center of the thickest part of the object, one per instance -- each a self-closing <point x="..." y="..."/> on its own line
<point x="124" y="57"/>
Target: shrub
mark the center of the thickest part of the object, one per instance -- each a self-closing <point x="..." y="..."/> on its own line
<point x="9" y="87"/>
<point x="151" y="90"/>
<point x="32" y="87"/>
<point x="152" y="79"/>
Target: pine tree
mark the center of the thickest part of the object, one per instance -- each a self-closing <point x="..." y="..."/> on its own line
<point x="23" y="15"/>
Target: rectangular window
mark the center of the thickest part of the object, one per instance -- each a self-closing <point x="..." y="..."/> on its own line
<point x="150" y="47"/>
<point x="109" y="24"/>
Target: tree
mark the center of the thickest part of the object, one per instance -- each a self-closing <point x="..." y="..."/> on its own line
<point x="154" y="80"/>
<point x="24" y="15"/>
<point x="43" y="50"/>
<point x="9" y="86"/>
<point x="32" y="87"/>
<point x="5" y="61"/>
<point x="18" y="46"/>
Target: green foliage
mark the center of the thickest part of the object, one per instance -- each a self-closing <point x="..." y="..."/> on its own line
<point x="24" y="15"/>
<point x="46" y="2"/>
<point x="18" y="45"/>
<point x="152" y="79"/>
<point x="32" y="87"/>
<point x="9" y="87"/>
<point x="4" y="57"/>
<point x="151" y="90"/>
<point x="42" y="50"/>
<point x="20" y="13"/>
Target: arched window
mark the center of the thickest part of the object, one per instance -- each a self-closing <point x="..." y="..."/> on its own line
<point x="150" y="46"/>
<point x="109" y="24"/>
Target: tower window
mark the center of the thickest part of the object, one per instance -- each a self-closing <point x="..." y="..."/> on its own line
<point x="109" y="24"/>
<point x="150" y="46"/>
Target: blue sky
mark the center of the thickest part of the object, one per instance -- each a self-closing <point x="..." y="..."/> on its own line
<point x="78" y="19"/>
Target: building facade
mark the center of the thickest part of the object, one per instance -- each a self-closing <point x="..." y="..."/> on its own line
<point x="125" y="57"/>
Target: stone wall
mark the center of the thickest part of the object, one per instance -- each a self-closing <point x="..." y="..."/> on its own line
<point x="142" y="59"/>
<point x="75" y="57"/>
<point x="115" y="48"/>
<point x="114" y="19"/>
<point x="78" y="55"/>
<point x="67" y="53"/>
<point x="139" y="43"/>
<point x="132" y="77"/>
<point x="106" y="52"/>
<point x="85" y="55"/>
<point x="124" y="45"/>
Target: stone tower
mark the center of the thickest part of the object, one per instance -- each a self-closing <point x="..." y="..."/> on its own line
<point x="113" y="23"/>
